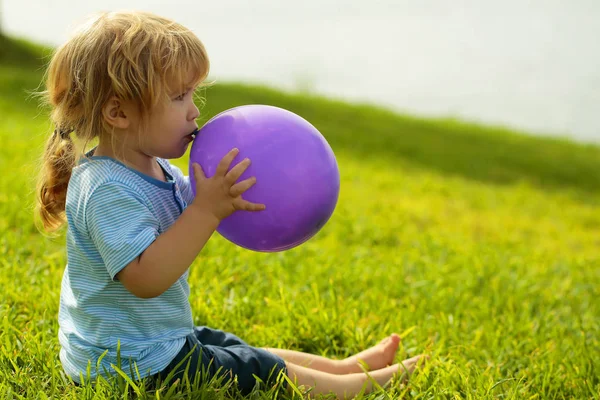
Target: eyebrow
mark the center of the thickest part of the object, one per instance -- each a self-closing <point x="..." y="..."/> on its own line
<point x="179" y="92"/>
<point x="175" y="88"/>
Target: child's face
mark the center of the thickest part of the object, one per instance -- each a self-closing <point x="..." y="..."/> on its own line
<point x="169" y="128"/>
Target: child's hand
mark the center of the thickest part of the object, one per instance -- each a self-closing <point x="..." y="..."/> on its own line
<point x="220" y="195"/>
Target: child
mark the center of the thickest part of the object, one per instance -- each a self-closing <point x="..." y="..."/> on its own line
<point x="134" y="227"/>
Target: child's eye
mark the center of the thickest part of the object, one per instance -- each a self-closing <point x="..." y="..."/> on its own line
<point x="181" y="96"/>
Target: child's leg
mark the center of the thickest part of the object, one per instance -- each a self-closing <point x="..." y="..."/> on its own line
<point x="351" y="384"/>
<point x="311" y="361"/>
<point x="378" y="356"/>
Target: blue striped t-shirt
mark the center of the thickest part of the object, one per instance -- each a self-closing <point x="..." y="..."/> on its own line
<point x="113" y="214"/>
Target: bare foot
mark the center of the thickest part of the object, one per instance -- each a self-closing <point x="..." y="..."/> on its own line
<point x="379" y="356"/>
<point x="349" y="385"/>
<point x="408" y="366"/>
<point x="400" y="371"/>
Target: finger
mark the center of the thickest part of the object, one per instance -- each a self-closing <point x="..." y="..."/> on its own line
<point x="198" y="172"/>
<point x="241" y="204"/>
<point x="234" y="174"/>
<point x="239" y="188"/>
<point x="226" y="162"/>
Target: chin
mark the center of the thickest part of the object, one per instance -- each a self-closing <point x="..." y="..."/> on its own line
<point x="180" y="153"/>
<point x="175" y="151"/>
<point x="174" y="155"/>
<point x="169" y="155"/>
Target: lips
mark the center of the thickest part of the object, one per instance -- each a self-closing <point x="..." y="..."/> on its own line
<point x="192" y="135"/>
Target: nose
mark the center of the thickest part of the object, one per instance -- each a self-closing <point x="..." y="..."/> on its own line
<point x="193" y="112"/>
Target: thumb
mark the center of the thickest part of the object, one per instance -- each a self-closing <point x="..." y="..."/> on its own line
<point x="198" y="172"/>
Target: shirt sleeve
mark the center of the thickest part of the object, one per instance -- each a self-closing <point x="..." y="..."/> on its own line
<point x="120" y="225"/>
<point x="185" y="186"/>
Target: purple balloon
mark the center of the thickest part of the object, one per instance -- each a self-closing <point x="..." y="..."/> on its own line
<point x="296" y="172"/>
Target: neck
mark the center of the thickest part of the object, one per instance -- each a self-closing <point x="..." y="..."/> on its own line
<point x="132" y="158"/>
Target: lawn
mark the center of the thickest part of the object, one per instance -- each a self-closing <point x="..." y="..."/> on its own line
<point x="479" y="245"/>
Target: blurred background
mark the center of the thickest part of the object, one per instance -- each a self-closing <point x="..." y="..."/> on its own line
<point x="532" y="66"/>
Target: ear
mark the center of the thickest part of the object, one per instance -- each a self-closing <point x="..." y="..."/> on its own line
<point x="116" y="113"/>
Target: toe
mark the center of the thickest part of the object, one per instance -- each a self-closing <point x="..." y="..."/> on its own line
<point x="416" y="361"/>
<point x="392" y="339"/>
<point x="385" y="340"/>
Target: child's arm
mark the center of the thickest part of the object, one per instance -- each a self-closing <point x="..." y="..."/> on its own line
<point x="170" y="255"/>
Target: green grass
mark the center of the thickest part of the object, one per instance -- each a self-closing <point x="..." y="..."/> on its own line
<point x="481" y="246"/>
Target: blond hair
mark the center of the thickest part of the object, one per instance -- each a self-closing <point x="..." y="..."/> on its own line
<point x="134" y="56"/>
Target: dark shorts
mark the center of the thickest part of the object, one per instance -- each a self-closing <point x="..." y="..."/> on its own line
<point x="213" y="352"/>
